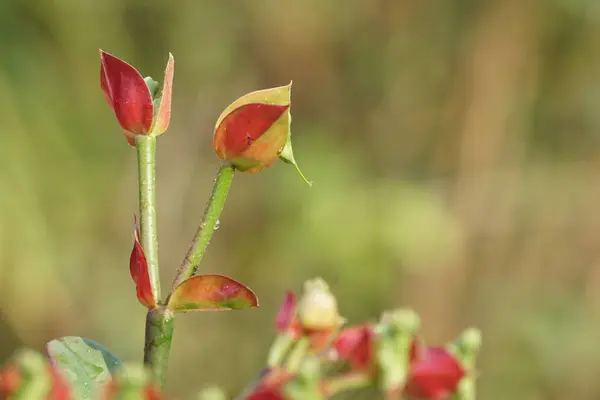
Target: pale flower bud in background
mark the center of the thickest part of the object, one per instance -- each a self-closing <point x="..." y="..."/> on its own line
<point x="318" y="309"/>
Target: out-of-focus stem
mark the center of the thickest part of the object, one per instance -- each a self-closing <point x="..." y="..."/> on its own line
<point x="350" y="381"/>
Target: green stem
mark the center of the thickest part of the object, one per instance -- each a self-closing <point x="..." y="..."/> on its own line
<point x="159" y="334"/>
<point x="297" y="354"/>
<point x="350" y="381"/>
<point x="207" y="227"/>
<point x="146" y="159"/>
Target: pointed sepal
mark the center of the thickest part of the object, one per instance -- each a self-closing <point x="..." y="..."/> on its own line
<point x="138" y="267"/>
<point x="127" y="94"/>
<point x="162" y="102"/>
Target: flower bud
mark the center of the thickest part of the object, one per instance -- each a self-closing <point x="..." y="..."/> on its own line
<point x="254" y="130"/>
<point x="318" y="309"/>
<point x="355" y="345"/>
<point x="139" y="106"/>
<point x="434" y="375"/>
<point x="286" y="314"/>
<point x="29" y="372"/>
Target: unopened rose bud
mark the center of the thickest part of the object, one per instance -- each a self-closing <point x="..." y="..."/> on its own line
<point x="139" y="106"/>
<point x="254" y="131"/>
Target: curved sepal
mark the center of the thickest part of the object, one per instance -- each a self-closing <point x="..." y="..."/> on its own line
<point x="138" y="267"/>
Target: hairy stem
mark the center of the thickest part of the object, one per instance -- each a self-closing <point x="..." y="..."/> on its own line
<point x="207" y="227"/>
<point x="159" y="335"/>
<point x="146" y="160"/>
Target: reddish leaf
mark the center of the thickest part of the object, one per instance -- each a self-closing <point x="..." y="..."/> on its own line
<point x="211" y="292"/>
<point x="434" y="375"/>
<point x="127" y="94"/>
<point x="287" y="313"/>
<point x="355" y="345"/>
<point x="138" y="267"/>
<point x="163" y="114"/>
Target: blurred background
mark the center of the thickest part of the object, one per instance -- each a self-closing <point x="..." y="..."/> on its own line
<point x="454" y="147"/>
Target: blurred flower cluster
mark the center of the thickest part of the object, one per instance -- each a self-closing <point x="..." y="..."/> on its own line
<point x="315" y="357"/>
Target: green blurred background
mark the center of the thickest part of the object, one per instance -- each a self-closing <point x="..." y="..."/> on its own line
<point x="454" y="146"/>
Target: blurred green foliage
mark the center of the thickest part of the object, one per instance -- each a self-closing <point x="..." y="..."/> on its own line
<point x="454" y="146"/>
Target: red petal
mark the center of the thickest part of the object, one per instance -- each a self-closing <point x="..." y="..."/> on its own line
<point x="138" y="267"/>
<point x="60" y="387"/>
<point x="152" y="393"/>
<point x="126" y="92"/>
<point x="10" y="380"/>
<point x="355" y="345"/>
<point x="418" y="350"/>
<point x="243" y="126"/>
<point x="211" y="292"/>
<point x="163" y="116"/>
<point x="285" y="316"/>
<point x="271" y="386"/>
<point x="434" y="376"/>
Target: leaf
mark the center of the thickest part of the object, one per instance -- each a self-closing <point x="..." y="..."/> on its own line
<point x="211" y="292"/>
<point x="85" y="364"/>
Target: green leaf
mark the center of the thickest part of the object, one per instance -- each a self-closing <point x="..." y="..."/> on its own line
<point x="86" y="364"/>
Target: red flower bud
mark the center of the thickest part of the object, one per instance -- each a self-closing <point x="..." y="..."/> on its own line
<point x="139" y="110"/>
<point x="138" y="267"/>
<point x="287" y="312"/>
<point x="272" y="386"/>
<point x="10" y="380"/>
<point x="254" y="130"/>
<point x="434" y="374"/>
<point x="355" y="345"/>
<point x="315" y="316"/>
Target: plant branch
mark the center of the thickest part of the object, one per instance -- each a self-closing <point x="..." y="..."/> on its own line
<point x="207" y="227"/>
<point x="159" y="335"/>
<point x="146" y="160"/>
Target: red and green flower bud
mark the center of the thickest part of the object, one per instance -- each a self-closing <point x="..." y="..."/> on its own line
<point x="138" y="267"/>
<point x="433" y="375"/>
<point x="254" y="131"/>
<point x="29" y="375"/>
<point x="131" y="382"/>
<point x="287" y="313"/>
<point x="140" y="107"/>
<point x="272" y="386"/>
<point x="355" y="345"/>
<point x="10" y="380"/>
